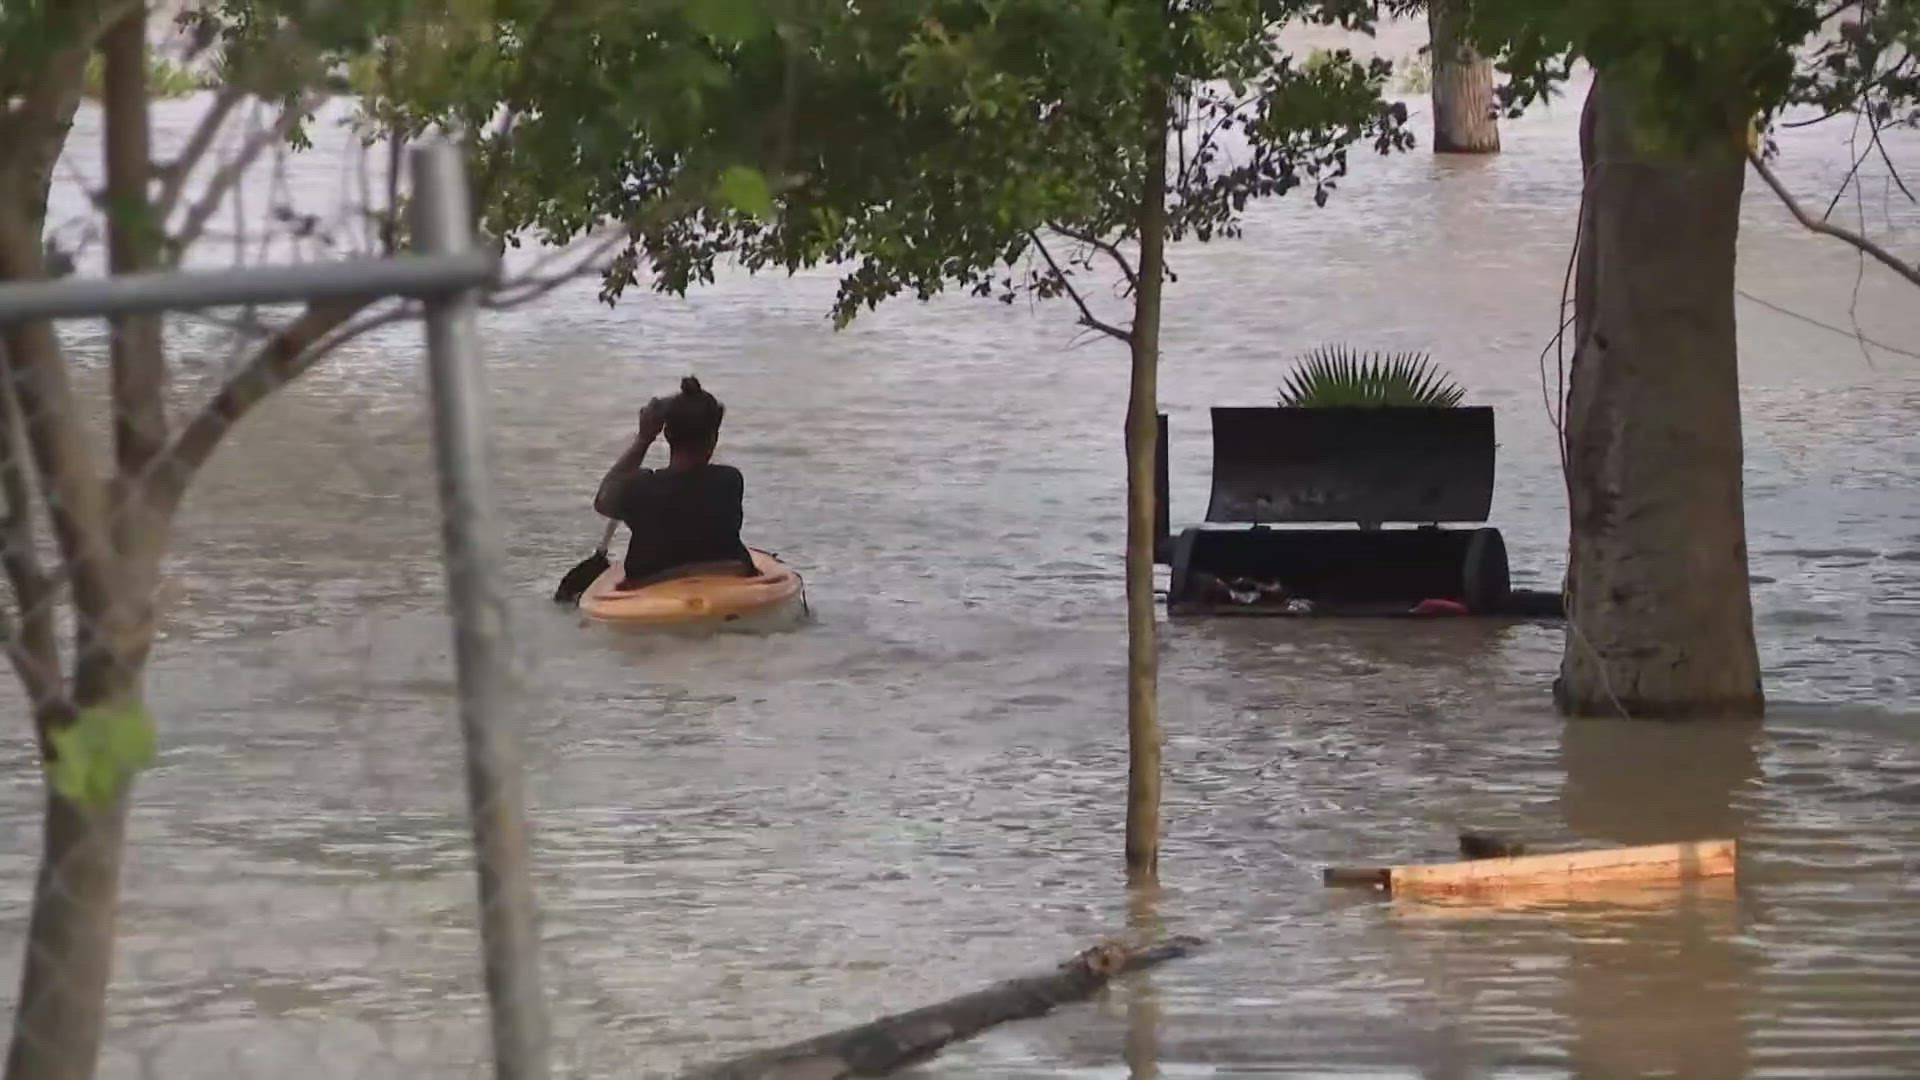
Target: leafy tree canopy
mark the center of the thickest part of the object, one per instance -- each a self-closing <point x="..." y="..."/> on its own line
<point x="1709" y="68"/>
<point x="921" y="143"/>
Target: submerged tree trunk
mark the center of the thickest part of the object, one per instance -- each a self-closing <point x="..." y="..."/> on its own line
<point x="1143" y="660"/>
<point x="60" y="1018"/>
<point x="61" y="1014"/>
<point x="1463" y="97"/>
<point x="1660" y="623"/>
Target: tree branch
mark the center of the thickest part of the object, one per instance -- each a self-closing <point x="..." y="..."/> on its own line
<point x="538" y="281"/>
<point x="34" y="131"/>
<point x="138" y="356"/>
<point x="1826" y="228"/>
<point x="34" y="365"/>
<point x="1886" y="159"/>
<point x="891" y="1044"/>
<point x="233" y="91"/>
<point x="229" y="174"/>
<point x="1867" y="87"/>
<point x="32" y="645"/>
<point x="1112" y="250"/>
<point x="1853" y="170"/>
<point x="45" y="73"/>
<point x="1087" y="318"/>
<point x="1224" y="113"/>
<point x="282" y="358"/>
<point x="294" y="349"/>
<point x="530" y="45"/>
<point x="1829" y="14"/>
<point x="298" y="345"/>
<point x="174" y="174"/>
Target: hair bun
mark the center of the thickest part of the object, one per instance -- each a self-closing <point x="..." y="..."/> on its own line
<point x="689" y="385"/>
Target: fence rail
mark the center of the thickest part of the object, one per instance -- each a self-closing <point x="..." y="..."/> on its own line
<point x="446" y="271"/>
<point x="418" y="277"/>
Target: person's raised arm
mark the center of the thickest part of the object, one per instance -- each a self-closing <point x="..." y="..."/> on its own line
<point x="606" y="500"/>
<point x="735" y="488"/>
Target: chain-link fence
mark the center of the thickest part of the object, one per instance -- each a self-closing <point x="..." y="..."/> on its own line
<point x="203" y="903"/>
<point x="263" y="776"/>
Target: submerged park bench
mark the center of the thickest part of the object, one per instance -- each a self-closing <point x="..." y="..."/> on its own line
<point x="1368" y="469"/>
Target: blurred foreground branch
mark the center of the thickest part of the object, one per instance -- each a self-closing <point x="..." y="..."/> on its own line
<point x="294" y="347"/>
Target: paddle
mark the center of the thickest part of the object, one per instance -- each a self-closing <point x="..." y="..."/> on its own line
<point x="580" y="577"/>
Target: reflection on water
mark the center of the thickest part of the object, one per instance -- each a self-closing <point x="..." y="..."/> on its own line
<point x="746" y="840"/>
<point x="1666" y="993"/>
<point x="1143" y="1007"/>
<point x="1630" y="783"/>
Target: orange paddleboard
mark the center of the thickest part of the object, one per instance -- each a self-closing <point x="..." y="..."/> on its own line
<point x="701" y="598"/>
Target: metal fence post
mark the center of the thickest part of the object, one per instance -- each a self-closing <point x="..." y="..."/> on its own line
<point x="489" y="720"/>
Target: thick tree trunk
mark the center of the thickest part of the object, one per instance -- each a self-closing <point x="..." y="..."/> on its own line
<point x="1660" y="623"/>
<point x="61" y="1014"/>
<point x="1143" y="659"/>
<point x="1463" y="95"/>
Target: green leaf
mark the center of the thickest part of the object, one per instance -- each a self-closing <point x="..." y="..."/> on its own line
<point x="933" y="137"/>
<point x="100" y="752"/>
<point x="730" y="21"/>
<point x="1336" y="377"/>
<point x="745" y="189"/>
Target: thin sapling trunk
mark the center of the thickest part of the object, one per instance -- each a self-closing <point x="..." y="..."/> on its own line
<point x="1143" y="660"/>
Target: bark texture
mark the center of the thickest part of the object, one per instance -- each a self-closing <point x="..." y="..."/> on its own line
<point x="1463" y="97"/>
<point x="138" y="362"/>
<point x="1143" y="434"/>
<point x="1660" y="623"/>
<point x="60" y="1019"/>
<point x="61" y="1015"/>
<point x="111" y="533"/>
<point x="895" y="1042"/>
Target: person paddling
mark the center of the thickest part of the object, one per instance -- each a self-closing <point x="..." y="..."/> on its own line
<point x="684" y="519"/>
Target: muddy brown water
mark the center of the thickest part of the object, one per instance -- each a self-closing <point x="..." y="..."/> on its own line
<point x="750" y="839"/>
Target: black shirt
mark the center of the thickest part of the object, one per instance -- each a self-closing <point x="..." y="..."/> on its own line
<point x="680" y="516"/>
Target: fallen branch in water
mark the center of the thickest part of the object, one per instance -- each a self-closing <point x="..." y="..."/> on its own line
<point x="895" y="1042"/>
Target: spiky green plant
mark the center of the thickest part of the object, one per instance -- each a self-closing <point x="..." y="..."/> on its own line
<point x="1333" y="376"/>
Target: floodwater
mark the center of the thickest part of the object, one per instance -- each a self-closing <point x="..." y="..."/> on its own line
<point x="747" y="840"/>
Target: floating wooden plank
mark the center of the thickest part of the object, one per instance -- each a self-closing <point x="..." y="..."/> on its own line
<point x="895" y="1042"/>
<point x="1573" y="898"/>
<point x="1565" y="870"/>
<point x="1687" y="860"/>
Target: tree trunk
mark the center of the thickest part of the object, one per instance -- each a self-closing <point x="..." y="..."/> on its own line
<point x="60" y="1017"/>
<point x="1142" y="1050"/>
<point x="1143" y="660"/>
<point x="1659" y="620"/>
<point x="61" y="1013"/>
<point x="1463" y="96"/>
<point x="137" y="358"/>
